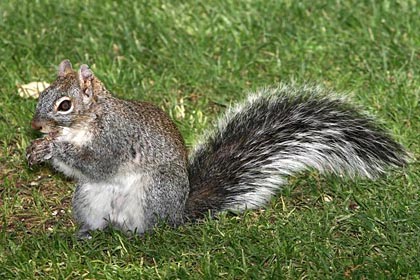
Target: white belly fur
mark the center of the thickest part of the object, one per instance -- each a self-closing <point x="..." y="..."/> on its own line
<point x="119" y="202"/>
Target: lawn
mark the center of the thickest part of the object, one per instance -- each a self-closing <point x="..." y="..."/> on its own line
<point x="194" y="59"/>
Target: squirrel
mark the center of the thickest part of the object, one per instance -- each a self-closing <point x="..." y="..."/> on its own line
<point x="132" y="167"/>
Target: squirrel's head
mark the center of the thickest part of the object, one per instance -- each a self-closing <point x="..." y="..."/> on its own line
<point x="69" y="100"/>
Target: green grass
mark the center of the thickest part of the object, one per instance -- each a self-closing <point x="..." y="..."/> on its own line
<point x="193" y="59"/>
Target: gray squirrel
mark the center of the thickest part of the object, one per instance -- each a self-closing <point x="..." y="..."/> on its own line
<point x="132" y="168"/>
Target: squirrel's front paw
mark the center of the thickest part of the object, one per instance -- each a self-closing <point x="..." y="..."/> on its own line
<point x="38" y="151"/>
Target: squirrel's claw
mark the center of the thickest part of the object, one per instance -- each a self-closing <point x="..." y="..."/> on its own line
<point x="38" y="151"/>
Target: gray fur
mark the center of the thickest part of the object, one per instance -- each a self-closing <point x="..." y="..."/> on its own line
<point x="277" y="132"/>
<point x="130" y="162"/>
<point x="127" y="157"/>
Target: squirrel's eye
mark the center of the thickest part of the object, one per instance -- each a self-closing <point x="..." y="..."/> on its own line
<point x="64" y="105"/>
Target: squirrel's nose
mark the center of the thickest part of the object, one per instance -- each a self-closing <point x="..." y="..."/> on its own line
<point x="37" y="125"/>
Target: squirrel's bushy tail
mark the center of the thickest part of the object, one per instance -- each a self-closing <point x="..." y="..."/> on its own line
<point x="279" y="132"/>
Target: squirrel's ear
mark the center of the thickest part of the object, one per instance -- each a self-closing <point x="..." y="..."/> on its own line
<point x="91" y="87"/>
<point x="64" y="68"/>
<point x="86" y="78"/>
<point x="85" y="74"/>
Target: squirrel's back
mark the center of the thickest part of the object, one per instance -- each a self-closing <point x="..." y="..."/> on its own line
<point x="278" y="132"/>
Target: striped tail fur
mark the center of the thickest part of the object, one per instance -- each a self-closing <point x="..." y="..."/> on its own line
<point x="278" y="132"/>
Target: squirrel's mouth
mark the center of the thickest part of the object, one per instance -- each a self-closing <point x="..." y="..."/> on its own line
<point x="49" y="132"/>
<point x="47" y="128"/>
